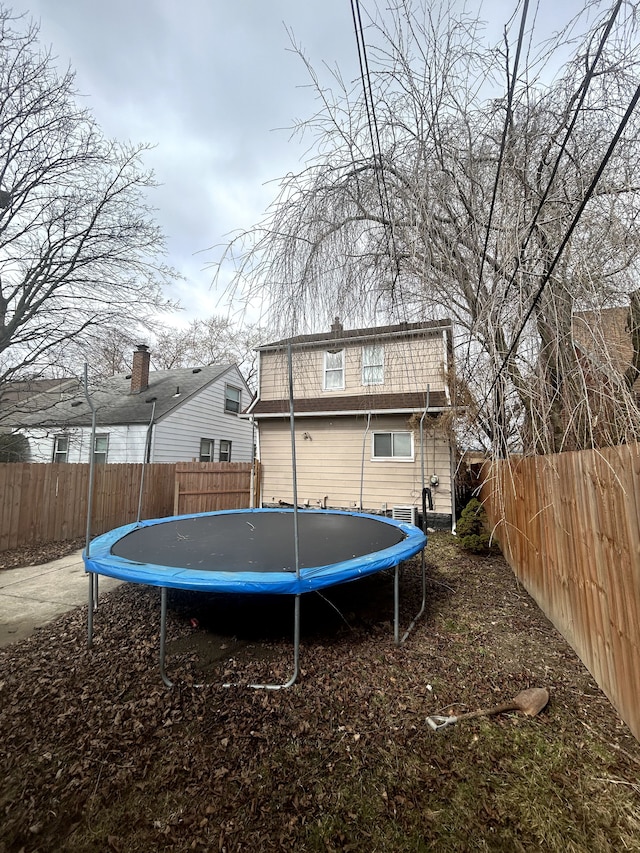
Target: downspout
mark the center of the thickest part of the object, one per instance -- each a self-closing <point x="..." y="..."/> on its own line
<point x="364" y="444"/>
<point x="252" y="478"/>
<point x="426" y="491"/>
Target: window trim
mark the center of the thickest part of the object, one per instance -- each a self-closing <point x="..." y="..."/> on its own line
<point x="341" y="386"/>
<point x="231" y="411"/>
<point x="228" y="443"/>
<point x="56" y="438"/>
<point x="212" y="450"/>
<point x="380" y="364"/>
<point x="392" y="458"/>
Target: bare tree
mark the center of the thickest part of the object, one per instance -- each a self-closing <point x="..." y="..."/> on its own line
<point x="80" y="253"/>
<point x="216" y="340"/>
<point x="454" y="196"/>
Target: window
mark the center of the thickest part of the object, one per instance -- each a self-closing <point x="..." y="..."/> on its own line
<point x="334" y="370"/>
<point x="206" y="450"/>
<point x="372" y="365"/>
<point x="232" y="397"/>
<point x="100" y="449"/>
<point x="392" y="445"/>
<point x="61" y="448"/>
<point x="225" y="451"/>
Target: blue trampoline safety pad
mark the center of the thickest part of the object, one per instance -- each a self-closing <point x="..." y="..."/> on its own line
<point x="254" y="551"/>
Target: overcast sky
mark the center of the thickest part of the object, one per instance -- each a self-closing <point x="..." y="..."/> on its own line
<point x="213" y="85"/>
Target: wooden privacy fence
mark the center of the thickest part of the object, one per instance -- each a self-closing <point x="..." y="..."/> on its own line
<point x="48" y="502"/>
<point x="210" y="486"/>
<point x="569" y="525"/>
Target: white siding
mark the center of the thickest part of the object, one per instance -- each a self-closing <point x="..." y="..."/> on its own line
<point x="330" y="464"/>
<point x="126" y="443"/>
<point x="177" y="436"/>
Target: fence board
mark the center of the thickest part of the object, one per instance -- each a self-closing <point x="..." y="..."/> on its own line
<point x="48" y="502"/>
<point x="569" y="525"/>
<point x="211" y="486"/>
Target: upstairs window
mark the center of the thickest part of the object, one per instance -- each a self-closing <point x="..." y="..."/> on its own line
<point x="61" y="448"/>
<point x="225" y="451"/>
<point x="392" y="445"/>
<point x="232" y="398"/>
<point x="206" y="450"/>
<point x="100" y="448"/>
<point x="334" y="370"/>
<point x="373" y="365"/>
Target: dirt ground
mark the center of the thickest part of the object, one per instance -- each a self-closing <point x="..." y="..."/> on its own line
<point x="100" y="756"/>
<point x="35" y="555"/>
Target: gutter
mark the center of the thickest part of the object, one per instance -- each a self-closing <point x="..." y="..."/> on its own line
<point x="346" y="339"/>
<point x="343" y="413"/>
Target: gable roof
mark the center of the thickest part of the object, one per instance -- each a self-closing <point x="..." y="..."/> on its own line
<point x="340" y="335"/>
<point x="18" y="391"/>
<point x="115" y="404"/>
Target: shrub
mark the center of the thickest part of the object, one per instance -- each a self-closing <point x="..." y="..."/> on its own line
<point x="471" y="529"/>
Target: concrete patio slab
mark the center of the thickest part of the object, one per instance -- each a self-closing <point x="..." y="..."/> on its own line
<point x="33" y="596"/>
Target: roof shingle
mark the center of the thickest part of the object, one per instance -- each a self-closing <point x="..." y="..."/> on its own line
<point x="114" y="402"/>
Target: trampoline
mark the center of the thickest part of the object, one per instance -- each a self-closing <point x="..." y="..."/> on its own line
<point x="255" y="551"/>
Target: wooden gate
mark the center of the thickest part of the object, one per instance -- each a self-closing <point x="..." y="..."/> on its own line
<point x="211" y="486"/>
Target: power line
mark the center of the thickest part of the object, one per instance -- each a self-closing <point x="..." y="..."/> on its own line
<point x="374" y="134"/>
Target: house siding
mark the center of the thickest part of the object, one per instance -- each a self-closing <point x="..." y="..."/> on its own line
<point x="126" y="443"/>
<point x="330" y="469"/>
<point x="409" y="365"/>
<point x="177" y="436"/>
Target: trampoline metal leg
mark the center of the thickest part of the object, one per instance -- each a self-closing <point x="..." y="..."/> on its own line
<point x="163" y="635"/>
<point x="90" y="612"/>
<point x="296" y="654"/>
<point x="396" y="605"/>
<point x="424" y="602"/>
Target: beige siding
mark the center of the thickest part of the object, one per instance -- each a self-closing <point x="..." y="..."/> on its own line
<point x="329" y="464"/>
<point x="409" y="365"/>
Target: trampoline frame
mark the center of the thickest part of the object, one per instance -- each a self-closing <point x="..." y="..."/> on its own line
<point x="99" y="560"/>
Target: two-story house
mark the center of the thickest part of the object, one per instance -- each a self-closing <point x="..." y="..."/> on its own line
<point x="176" y="415"/>
<point x="360" y="398"/>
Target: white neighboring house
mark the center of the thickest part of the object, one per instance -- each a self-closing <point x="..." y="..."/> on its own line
<point x="178" y="415"/>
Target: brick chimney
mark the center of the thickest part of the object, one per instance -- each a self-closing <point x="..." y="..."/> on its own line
<point x="140" y="370"/>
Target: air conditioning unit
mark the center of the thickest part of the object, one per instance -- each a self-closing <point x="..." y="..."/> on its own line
<point x="409" y="514"/>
